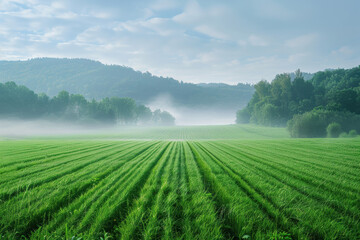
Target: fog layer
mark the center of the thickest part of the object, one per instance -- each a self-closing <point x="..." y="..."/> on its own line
<point x="12" y="128"/>
<point x="198" y="115"/>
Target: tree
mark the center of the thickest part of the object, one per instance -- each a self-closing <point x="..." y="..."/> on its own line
<point x="124" y="109"/>
<point x="243" y="116"/>
<point x="300" y="88"/>
<point x="143" y="114"/>
<point x="346" y="99"/>
<point x="263" y="89"/>
<point x="163" y="118"/>
<point x="333" y="130"/>
<point x="19" y="101"/>
<point x="60" y="102"/>
<point x="309" y="124"/>
<point x="316" y="122"/>
<point x="335" y="92"/>
<point x="281" y="89"/>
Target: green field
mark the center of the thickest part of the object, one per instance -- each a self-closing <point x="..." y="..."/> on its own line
<point x="220" y="182"/>
<point x="215" y="132"/>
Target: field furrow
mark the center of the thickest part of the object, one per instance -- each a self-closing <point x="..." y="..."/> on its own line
<point x="180" y="189"/>
<point x="235" y="211"/>
<point x="310" y="159"/>
<point x="76" y="209"/>
<point x="258" y="172"/>
<point x="300" y="175"/>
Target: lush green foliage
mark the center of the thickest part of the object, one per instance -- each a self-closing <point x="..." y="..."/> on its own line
<point x="351" y="134"/>
<point x="243" y="116"/>
<point x="95" y="80"/>
<point x="223" y="189"/>
<point x="310" y="104"/>
<point x="333" y="130"/>
<point x="20" y="102"/>
<point x="309" y="124"/>
<point x="315" y="123"/>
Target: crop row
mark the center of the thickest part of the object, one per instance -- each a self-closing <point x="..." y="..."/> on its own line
<point x="179" y="189"/>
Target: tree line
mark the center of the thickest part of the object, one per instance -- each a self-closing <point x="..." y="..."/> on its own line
<point x="326" y="104"/>
<point x="18" y="101"/>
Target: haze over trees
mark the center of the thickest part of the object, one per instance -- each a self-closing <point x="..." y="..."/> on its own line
<point x="93" y="79"/>
<point x="22" y="103"/>
<point x="307" y="107"/>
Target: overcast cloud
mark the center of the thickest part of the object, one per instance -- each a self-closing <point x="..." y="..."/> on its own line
<point x="194" y="41"/>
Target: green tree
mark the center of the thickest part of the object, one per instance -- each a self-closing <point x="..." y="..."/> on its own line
<point x="309" y="124"/>
<point x="60" y="102"/>
<point x="143" y="114"/>
<point x="163" y="118"/>
<point x="243" y="116"/>
<point x="124" y="108"/>
<point x="333" y="130"/>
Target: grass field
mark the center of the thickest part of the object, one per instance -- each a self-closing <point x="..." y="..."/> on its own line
<point x="215" y="132"/>
<point x="202" y="183"/>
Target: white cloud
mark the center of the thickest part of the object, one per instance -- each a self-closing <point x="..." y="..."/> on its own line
<point x="253" y="40"/>
<point x="32" y="10"/>
<point x="302" y="41"/>
<point x="4" y="31"/>
<point x="161" y="26"/>
<point x="257" y="41"/>
<point x="297" y="57"/>
<point x="131" y="26"/>
<point x="272" y="10"/>
<point x="196" y="41"/>
<point x="210" y="31"/>
<point x="345" y="50"/>
<point x="212" y="21"/>
<point x="161" y="5"/>
<point x="190" y="15"/>
<point x="55" y="33"/>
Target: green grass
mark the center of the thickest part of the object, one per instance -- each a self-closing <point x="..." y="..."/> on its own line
<point x="182" y="133"/>
<point x="219" y="182"/>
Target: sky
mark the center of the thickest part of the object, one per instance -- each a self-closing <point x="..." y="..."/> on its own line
<point x="228" y="41"/>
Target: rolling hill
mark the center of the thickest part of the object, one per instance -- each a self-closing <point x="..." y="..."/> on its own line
<point x="96" y="80"/>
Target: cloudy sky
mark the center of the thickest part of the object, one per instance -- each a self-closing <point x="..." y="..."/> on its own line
<point x="194" y="41"/>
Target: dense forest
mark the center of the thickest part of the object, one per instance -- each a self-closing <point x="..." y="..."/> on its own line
<point x="95" y="80"/>
<point x="21" y="103"/>
<point x="326" y="104"/>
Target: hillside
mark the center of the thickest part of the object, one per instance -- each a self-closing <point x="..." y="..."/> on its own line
<point x="96" y="80"/>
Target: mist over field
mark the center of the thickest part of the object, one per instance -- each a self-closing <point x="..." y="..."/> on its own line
<point x="204" y="117"/>
<point x="197" y="115"/>
<point x="44" y="128"/>
<point x="172" y="119"/>
<point x="15" y="128"/>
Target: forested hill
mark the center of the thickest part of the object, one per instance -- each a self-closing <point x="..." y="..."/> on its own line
<point x="96" y="80"/>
